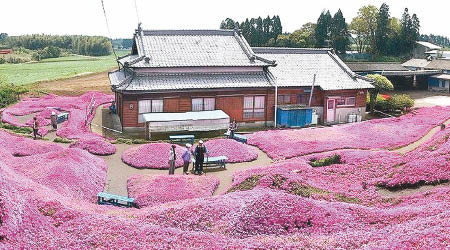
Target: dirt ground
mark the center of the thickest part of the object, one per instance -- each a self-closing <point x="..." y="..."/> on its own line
<point x="424" y="98"/>
<point x="77" y="85"/>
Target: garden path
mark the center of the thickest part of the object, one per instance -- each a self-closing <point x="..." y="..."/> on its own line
<point x="119" y="172"/>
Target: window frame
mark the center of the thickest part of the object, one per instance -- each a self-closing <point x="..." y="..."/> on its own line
<point x="151" y="107"/>
<point x="254" y="110"/>
<point x="203" y="103"/>
<point x="346" y="102"/>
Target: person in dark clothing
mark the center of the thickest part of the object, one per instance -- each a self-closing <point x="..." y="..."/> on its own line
<point x="186" y="158"/>
<point x="112" y="108"/>
<point x="199" y="154"/>
<point x="172" y="159"/>
<point x="232" y="129"/>
<point x="35" y="128"/>
<point x="54" y="121"/>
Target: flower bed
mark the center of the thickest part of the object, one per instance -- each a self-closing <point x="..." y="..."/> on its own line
<point x="152" y="155"/>
<point x="235" y="151"/>
<point x="381" y="133"/>
<point x="150" y="190"/>
<point x="77" y="127"/>
<point x="97" y="146"/>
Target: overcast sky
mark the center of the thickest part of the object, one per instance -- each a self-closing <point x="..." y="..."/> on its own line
<point x="86" y="16"/>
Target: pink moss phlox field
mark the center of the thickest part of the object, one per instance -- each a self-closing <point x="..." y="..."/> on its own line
<point x="75" y="128"/>
<point x="429" y="164"/>
<point x="380" y="133"/>
<point x="150" y="190"/>
<point x="21" y="146"/>
<point x="152" y="155"/>
<point x="97" y="146"/>
<point x="234" y="150"/>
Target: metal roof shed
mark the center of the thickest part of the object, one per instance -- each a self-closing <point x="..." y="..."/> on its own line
<point x="188" y="121"/>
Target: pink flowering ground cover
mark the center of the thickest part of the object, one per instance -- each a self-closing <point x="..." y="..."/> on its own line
<point x="380" y="133"/>
<point x="75" y="128"/>
<point x="150" y="190"/>
<point x="152" y="155"/>
<point x="234" y="150"/>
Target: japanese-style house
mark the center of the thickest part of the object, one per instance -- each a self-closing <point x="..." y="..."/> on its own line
<point x="198" y="80"/>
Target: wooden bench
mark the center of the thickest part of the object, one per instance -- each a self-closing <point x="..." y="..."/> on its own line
<point x="182" y="139"/>
<point x="116" y="200"/>
<point x="219" y="161"/>
<point x="237" y="137"/>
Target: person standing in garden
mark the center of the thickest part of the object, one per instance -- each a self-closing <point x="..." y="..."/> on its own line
<point x="186" y="158"/>
<point x="232" y="129"/>
<point x="172" y="159"/>
<point x="35" y="128"/>
<point x="54" y="121"/>
<point x="199" y="154"/>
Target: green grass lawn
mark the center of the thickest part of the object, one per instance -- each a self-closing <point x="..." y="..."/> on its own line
<point x="57" y="68"/>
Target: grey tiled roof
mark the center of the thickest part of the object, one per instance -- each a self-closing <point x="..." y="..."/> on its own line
<point x="375" y="66"/>
<point x="416" y="62"/>
<point x="296" y="67"/>
<point x="184" y="48"/>
<point x="187" y="81"/>
<point x="443" y="64"/>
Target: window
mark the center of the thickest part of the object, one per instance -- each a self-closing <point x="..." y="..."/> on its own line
<point x="346" y="102"/>
<point x="304" y="99"/>
<point x="203" y="104"/>
<point x="442" y="83"/>
<point x="254" y="107"/>
<point x="284" y="99"/>
<point x="149" y="106"/>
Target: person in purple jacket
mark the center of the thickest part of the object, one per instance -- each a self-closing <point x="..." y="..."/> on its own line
<point x="186" y="158"/>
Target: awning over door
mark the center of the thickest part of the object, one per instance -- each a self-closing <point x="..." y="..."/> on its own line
<point x="188" y="121"/>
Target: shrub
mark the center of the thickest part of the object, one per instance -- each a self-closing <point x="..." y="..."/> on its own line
<point x="62" y="140"/>
<point x="327" y="161"/>
<point x="401" y="102"/>
<point x="9" y="93"/>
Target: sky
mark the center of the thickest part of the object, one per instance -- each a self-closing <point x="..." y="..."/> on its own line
<point x="86" y="17"/>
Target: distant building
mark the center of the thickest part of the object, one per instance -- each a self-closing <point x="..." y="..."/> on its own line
<point x="173" y="78"/>
<point x="424" y="49"/>
<point x="6" y="51"/>
<point x="439" y="80"/>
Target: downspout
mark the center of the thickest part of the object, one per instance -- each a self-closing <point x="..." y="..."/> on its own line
<point x="312" y="90"/>
<point x="276" y="103"/>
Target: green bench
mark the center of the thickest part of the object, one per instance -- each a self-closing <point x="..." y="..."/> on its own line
<point x="116" y="200"/>
<point x="219" y="161"/>
<point x="182" y="139"/>
<point x="237" y="137"/>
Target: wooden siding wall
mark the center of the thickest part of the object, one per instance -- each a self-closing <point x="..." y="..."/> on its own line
<point x="230" y="101"/>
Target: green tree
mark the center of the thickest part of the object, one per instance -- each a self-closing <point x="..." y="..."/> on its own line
<point x="364" y="26"/>
<point x="339" y="33"/>
<point x="381" y="83"/>
<point x="3" y="37"/>
<point x="228" y="24"/>
<point x="410" y="31"/>
<point x="393" y="40"/>
<point x="277" y="28"/>
<point x="382" y="31"/>
<point x="322" y="31"/>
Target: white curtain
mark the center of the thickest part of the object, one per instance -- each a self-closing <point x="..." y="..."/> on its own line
<point x="209" y="103"/>
<point x="197" y="104"/>
<point x="157" y="106"/>
<point x="145" y="106"/>
<point x="259" y="106"/>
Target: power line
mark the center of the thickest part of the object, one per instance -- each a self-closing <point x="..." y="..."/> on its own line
<point x="109" y="30"/>
<point x="137" y="12"/>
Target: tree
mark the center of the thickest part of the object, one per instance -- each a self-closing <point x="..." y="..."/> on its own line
<point x="366" y="25"/>
<point x="359" y="34"/>
<point x="410" y="31"/>
<point x="277" y="28"/>
<point x="339" y="34"/>
<point x="322" y="31"/>
<point x="228" y="24"/>
<point x="393" y="41"/>
<point x="3" y="37"/>
<point x="381" y="83"/>
<point x="382" y="31"/>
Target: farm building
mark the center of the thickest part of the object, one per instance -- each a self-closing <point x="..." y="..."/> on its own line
<point x="401" y="75"/>
<point x="186" y="74"/>
<point x="440" y="69"/>
<point x="425" y="49"/>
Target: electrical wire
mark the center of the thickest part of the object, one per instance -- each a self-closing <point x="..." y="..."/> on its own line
<point x="109" y="30"/>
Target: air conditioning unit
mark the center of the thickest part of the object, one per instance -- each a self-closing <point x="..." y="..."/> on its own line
<point x="352" y="118"/>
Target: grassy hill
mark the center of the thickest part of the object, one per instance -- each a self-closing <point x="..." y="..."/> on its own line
<point x="58" y="68"/>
